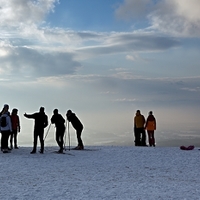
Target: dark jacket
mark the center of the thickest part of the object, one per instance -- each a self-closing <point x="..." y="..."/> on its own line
<point x="41" y="120"/>
<point x="58" y="120"/>
<point x="75" y="121"/>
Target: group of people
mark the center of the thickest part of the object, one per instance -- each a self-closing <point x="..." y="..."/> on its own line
<point x="41" y="122"/>
<point x="141" y="126"/>
<point x="10" y="126"/>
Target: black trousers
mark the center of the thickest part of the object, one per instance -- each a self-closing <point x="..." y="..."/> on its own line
<point x="78" y="133"/>
<point x="60" y="131"/>
<point x="4" y="139"/>
<point x="40" y="134"/>
<point x="140" y="137"/>
<point x="13" y="134"/>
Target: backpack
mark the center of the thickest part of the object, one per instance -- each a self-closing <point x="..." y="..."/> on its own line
<point x="3" y="121"/>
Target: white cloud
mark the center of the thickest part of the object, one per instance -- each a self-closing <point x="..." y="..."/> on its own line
<point x="196" y="89"/>
<point x="132" y="57"/>
<point x="53" y="51"/>
<point x="16" y="13"/>
<point x="177" y="17"/>
<point x="174" y="17"/>
<point x="125" y="100"/>
<point x="129" y="42"/>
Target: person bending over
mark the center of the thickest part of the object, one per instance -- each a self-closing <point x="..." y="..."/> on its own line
<point x="78" y="126"/>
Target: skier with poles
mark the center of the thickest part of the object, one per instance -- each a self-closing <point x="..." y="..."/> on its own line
<point x="59" y="122"/>
<point x="78" y="126"/>
<point x="41" y="122"/>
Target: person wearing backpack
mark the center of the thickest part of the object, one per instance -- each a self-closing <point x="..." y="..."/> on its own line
<point x="5" y="128"/>
<point x="15" y="128"/>
<point x="59" y="122"/>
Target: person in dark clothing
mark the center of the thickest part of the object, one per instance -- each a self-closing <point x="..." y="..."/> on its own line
<point x="15" y="128"/>
<point x="59" y="122"/>
<point x="5" y="128"/>
<point x="139" y="130"/>
<point x="78" y="126"/>
<point x="41" y="122"/>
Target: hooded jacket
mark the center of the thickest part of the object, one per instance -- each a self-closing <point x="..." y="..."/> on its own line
<point x="75" y="121"/>
<point x="58" y="120"/>
<point x="151" y="123"/>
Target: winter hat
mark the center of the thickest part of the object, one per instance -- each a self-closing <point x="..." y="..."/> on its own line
<point x="69" y="112"/>
<point x="55" y="111"/>
<point x="42" y="109"/>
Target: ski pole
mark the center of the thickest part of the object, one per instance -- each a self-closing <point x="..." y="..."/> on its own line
<point x="68" y="134"/>
<point x="47" y="131"/>
<point x="64" y="140"/>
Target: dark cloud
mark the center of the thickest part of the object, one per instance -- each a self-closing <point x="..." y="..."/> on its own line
<point x="130" y="42"/>
<point x="133" y="9"/>
<point x="33" y="63"/>
<point x="154" y="91"/>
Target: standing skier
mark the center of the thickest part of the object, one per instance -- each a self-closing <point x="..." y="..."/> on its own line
<point x="59" y="122"/>
<point x="41" y="122"/>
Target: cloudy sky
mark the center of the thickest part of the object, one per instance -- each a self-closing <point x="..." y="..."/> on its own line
<point x="104" y="60"/>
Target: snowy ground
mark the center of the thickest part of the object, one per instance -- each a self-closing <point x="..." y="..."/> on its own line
<point x="104" y="173"/>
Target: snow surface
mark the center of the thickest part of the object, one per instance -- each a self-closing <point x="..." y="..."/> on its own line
<point x="102" y="172"/>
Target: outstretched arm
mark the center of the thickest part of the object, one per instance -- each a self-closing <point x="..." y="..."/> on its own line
<point x="29" y="116"/>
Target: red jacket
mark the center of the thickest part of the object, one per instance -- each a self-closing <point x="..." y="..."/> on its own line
<point x="15" y="122"/>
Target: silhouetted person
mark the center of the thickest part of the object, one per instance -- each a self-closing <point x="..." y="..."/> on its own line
<point x="41" y="122"/>
<point x="140" y="135"/>
<point x="151" y="127"/>
<point x="5" y="127"/>
<point x="59" y="122"/>
<point x="78" y="126"/>
<point x="15" y="128"/>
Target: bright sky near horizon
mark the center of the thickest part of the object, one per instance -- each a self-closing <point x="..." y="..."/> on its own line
<point x="104" y="59"/>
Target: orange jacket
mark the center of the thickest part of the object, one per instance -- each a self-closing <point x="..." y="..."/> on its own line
<point x="151" y="123"/>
